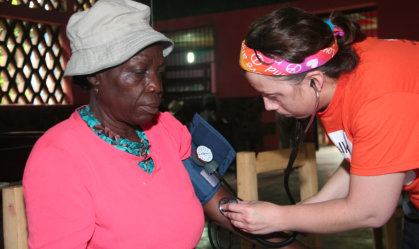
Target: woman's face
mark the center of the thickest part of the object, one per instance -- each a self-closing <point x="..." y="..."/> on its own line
<point x="284" y="97"/>
<point x="130" y="94"/>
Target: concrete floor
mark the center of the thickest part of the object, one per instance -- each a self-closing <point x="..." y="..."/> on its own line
<point x="271" y="189"/>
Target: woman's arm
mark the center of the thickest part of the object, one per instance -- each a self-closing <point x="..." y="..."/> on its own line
<point x="336" y="187"/>
<point x="59" y="208"/>
<point x="370" y="202"/>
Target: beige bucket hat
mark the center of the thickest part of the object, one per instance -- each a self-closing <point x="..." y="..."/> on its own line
<point x="108" y="34"/>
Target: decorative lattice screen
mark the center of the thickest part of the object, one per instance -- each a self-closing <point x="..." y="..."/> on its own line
<point x="31" y="56"/>
<point x="31" y="59"/>
<point x="39" y="4"/>
<point x="80" y="5"/>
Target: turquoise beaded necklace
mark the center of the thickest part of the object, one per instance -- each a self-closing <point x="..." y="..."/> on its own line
<point x="141" y="149"/>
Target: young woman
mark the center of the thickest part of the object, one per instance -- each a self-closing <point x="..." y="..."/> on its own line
<point x="365" y="91"/>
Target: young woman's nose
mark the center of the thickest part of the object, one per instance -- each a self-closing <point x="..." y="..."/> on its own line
<point x="270" y="105"/>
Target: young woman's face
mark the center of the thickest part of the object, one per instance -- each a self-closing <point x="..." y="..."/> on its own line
<point x="284" y="97"/>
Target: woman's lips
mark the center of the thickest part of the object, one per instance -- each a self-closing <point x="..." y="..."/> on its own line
<point x="150" y="109"/>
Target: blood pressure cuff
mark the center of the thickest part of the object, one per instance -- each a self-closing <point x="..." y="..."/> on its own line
<point x="223" y="153"/>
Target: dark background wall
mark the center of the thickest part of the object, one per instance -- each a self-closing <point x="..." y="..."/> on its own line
<point x="169" y="9"/>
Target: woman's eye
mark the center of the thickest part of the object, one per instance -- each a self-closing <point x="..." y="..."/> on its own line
<point x="140" y="71"/>
<point x="269" y="96"/>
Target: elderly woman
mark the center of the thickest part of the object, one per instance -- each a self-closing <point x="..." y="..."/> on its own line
<point x="111" y="176"/>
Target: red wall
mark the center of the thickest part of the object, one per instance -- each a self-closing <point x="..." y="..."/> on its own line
<point x="395" y="20"/>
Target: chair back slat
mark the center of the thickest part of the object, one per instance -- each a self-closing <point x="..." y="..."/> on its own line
<point x="15" y="230"/>
<point x="267" y="161"/>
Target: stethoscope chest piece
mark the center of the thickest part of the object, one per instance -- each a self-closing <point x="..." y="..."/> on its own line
<point x="225" y="201"/>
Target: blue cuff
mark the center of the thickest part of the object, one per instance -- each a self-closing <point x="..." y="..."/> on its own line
<point x="223" y="153"/>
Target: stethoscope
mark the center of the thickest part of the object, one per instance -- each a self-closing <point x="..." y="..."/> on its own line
<point x="300" y="136"/>
<point x="205" y="156"/>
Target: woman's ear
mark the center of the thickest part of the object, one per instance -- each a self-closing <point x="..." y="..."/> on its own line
<point x="316" y="79"/>
<point x="93" y="80"/>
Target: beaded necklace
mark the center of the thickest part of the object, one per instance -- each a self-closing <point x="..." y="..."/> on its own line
<point x="140" y="149"/>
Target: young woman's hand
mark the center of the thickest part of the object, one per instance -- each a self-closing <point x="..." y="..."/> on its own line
<point x="254" y="217"/>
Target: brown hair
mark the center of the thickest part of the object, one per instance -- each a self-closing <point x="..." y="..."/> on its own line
<point x="294" y="34"/>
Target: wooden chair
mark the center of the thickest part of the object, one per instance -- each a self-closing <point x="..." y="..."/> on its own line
<point x="249" y="165"/>
<point x="14" y="218"/>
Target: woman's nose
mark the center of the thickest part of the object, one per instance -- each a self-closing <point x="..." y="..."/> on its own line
<point x="270" y="105"/>
<point x="154" y="84"/>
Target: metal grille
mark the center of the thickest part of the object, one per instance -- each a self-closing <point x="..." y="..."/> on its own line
<point x="365" y="17"/>
<point x="31" y="63"/>
<point x="190" y="67"/>
<point x="38" y="4"/>
<point x="367" y="20"/>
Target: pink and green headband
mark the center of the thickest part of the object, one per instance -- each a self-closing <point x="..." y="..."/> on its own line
<point x="254" y="61"/>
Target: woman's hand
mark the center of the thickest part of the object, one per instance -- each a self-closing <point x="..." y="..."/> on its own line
<point x="370" y="202"/>
<point x="212" y="211"/>
<point x="254" y="217"/>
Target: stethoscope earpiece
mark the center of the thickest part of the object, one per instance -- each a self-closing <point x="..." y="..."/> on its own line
<point x="313" y="85"/>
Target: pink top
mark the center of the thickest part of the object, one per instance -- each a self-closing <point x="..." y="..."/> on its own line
<point x="81" y="192"/>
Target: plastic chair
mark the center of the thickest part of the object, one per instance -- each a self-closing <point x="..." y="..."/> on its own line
<point x="249" y="165"/>
<point x="14" y="218"/>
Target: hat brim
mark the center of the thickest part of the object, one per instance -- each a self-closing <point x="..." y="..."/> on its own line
<point x="91" y="60"/>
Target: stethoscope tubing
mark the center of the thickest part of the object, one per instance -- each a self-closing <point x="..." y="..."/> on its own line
<point x="293" y="155"/>
<point x="299" y="140"/>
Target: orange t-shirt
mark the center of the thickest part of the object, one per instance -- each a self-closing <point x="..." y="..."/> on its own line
<point x="373" y="117"/>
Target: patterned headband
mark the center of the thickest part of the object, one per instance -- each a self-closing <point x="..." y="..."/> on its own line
<point x="254" y="61"/>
